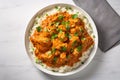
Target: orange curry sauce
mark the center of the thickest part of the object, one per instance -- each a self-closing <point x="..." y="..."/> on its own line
<point x="61" y="40"/>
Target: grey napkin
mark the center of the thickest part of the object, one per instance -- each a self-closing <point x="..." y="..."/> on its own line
<point x="106" y="20"/>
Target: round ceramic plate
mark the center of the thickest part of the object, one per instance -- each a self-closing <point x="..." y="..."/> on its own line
<point x="92" y="54"/>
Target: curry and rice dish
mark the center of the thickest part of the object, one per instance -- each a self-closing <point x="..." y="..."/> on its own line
<point x="60" y="40"/>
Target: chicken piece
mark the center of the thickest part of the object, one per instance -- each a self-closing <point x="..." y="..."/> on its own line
<point x="74" y="41"/>
<point x="73" y="30"/>
<point x="75" y="52"/>
<point x="63" y="55"/>
<point x="62" y="36"/>
<point x="41" y="41"/>
<point x="62" y="27"/>
<point x="74" y="38"/>
<point x="73" y="22"/>
<point x="87" y="43"/>
<point x="58" y="44"/>
<point x="57" y="53"/>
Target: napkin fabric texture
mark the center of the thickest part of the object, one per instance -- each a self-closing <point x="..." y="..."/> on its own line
<point x="106" y="19"/>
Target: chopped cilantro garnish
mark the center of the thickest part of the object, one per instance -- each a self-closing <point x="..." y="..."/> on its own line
<point x="53" y="50"/>
<point x="74" y="43"/>
<point x="81" y="30"/>
<point x="38" y="16"/>
<point x="32" y="49"/>
<point x="75" y="16"/>
<point x="54" y="36"/>
<point x="56" y="7"/>
<point x="38" y="29"/>
<point x="66" y="23"/>
<point x="68" y="56"/>
<point x="68" y="35"/>
<point x="57" y="24"/>
<point x="93" y="36"/>
<point x="68" y="8"/>
<point x="63" y="22"/>
<point x="79" y="48"/>
<point x="53" y="70"/>
<point x="68" y="28"/>
<point x="84" y="17"/>
<point x="35" y="22"/>
<point x="59" y="30"/>
<point x="76" y="34"/>
<point x="36" y="60"/>
<point x="63" y="48"/>
<point x="46" y="14"/>
<point x="61" y="39"/>
<point x="55" y="59"/>
<point x="60" y="17"/>
<point x="82" y="38"/>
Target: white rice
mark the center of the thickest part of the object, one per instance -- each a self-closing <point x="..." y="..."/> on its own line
<point x="85" y="55"/>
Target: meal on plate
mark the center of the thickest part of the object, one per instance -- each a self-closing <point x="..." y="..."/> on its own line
<point x="61" y="39"/>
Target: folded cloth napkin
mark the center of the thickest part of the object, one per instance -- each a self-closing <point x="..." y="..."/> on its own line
<point x="106" y="20"/>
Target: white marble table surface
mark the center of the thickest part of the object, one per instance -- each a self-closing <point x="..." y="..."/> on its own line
<point x="14" y="62"/>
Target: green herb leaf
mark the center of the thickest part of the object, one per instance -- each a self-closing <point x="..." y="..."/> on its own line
<point x="75" y="16"/>
<point x="74" y="43"/>
<point x="36" y="22"/>
<point x="53" y="50"/>
<point x="79" y="48"/>
<point x="84" y="17"/>
<point x="66" y="23"/>
<point x="57" y="24"/>
<point x="68" y="56"/>
<point x="32" y="49"/>
<point x="54" y="36"/>
<point x="61" y="39"/>
<point x="36" y="60"/>
<point x="76" y="34"/>
<point x="68" y="35"/>
<point x="55" y="59"/>
<point x="53" y="71"/>
<point x="81" y="30"/>
<point x="63" y="48"/>
<point x="46" y="14"/>
<point x="68" y="28"/>
<point x="68" y="8"/>
<point x="60" y="30"/>
<point x="38" y="29"/>
<point x="93" y="36"/>
<point x="60" y="17"/>
<point x="56" y="7"/>
<point x="82" y="38"/>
